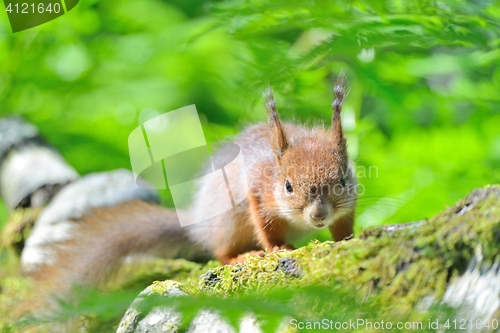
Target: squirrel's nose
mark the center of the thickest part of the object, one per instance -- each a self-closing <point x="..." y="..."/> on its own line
<point x="318" y="214"/>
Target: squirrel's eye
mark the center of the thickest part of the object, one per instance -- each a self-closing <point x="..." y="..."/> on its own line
<point x="288" y="187"/>
<point x="342" y="181"/>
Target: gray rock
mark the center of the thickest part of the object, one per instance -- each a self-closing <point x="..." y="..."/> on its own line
<point x="31" y="171"/>
<point x="159" y="319"/>
<point x="167" y="319"/>
<point x="289" y="266"/>
<point x="56" y="221"/>
<point x="14" y="131"/>
<point x="476" y="293"/>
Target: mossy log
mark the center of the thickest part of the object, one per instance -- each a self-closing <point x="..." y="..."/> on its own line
<point x="403" y="270"/>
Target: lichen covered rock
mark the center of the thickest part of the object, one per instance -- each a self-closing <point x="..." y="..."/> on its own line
<point x="403" y="270"/>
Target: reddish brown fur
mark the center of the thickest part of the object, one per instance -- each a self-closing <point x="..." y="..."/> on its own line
<point x="313" y="161"/>
<point x="343" y="228"/>
<point x="270" y="230"/>
<point x="106" y="236"/>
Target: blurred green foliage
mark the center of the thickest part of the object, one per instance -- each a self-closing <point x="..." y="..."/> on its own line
<point x="422" y="117"/>
<point x="423" y="111"/>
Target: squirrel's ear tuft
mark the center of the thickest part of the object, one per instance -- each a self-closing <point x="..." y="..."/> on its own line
<point x="339" y="93"/>
<point x="279" y="143"/>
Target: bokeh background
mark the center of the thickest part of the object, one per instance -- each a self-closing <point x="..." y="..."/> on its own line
<point x="423" y="114"/>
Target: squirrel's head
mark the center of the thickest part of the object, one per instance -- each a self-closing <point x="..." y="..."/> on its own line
<point x="315" y="185"/>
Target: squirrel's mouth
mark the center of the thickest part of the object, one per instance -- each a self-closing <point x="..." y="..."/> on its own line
<point x="319" y="225"/>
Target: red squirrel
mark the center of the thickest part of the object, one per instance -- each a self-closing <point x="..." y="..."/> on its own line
<point x="299" y="180"/>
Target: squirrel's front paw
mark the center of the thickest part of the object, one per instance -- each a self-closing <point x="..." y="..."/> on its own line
<point x="283" y="247"/>
<point x="243" y="257"/>
<point x="260" y="253"/>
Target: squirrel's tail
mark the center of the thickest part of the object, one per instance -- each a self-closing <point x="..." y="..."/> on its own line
<point x="104" y="237"/>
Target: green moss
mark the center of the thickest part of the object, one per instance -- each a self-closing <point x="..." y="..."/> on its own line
<point x="161" y="287"/>
<point x="392" y="269"/>
<point x="15" y="288"/>
<point x="399" y="267"/>
<point x="134" y="275"/>
<point x="18" y="228"/>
